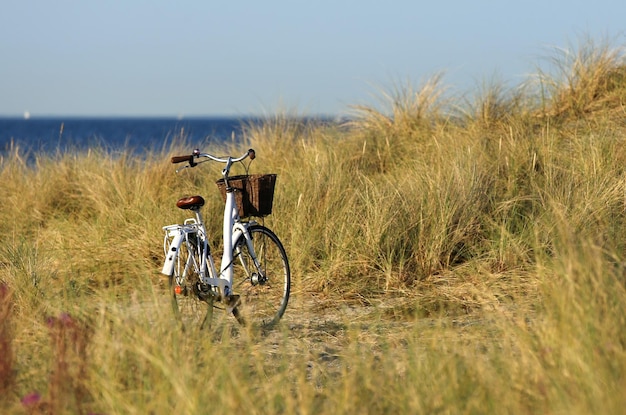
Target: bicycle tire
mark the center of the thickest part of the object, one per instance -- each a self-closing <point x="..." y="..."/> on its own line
<point x="189" y="309"/>
<point x="263" y="296"/>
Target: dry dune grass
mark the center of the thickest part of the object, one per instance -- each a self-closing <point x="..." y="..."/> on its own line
<point x="449" y="256"/>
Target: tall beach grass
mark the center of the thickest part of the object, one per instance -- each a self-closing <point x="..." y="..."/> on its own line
<point x="449" y="255"/>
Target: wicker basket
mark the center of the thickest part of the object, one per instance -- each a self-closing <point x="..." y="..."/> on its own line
<point x="254" y="194"/>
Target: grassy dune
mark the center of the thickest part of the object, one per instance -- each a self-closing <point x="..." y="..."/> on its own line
<point x="450" y="254"/>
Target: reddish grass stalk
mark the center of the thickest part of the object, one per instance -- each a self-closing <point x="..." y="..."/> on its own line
<point x="69" y="339"/>
<point x="7" y="375"/>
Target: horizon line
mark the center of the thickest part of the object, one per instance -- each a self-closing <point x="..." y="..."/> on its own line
<point x="27" y="115"/>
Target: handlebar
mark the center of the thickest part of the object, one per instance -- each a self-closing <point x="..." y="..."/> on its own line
<point x="227" y="160"/>
<point x="197" y="154"/>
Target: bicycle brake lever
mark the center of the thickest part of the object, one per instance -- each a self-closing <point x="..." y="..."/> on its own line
<point x="182" y="168"/>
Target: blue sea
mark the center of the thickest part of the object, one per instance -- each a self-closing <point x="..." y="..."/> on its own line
<point x="49" y="135"/>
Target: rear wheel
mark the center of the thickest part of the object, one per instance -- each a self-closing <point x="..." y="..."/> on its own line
<point x="192" y="306"/>
<point x="263" y="290"/>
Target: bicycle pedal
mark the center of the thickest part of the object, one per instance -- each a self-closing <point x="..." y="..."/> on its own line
<point x="232" y="302"/>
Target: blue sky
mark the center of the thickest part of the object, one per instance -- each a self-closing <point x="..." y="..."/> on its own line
<point x="214" y="58"/>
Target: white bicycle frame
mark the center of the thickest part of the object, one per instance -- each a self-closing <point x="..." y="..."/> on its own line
<point x="233" y="228"/>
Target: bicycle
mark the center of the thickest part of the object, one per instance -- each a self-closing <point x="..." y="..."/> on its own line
<point x="254" y="279"/>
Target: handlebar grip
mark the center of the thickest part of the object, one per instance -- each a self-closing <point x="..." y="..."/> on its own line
<point x="182" y="159"/>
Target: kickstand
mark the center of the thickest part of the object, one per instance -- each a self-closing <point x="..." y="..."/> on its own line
<point x="232" y="304"/>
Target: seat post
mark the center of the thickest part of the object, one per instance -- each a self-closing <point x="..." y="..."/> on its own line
<point x="196" y="211"/>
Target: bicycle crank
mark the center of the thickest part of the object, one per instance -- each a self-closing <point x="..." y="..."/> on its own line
<point x="204" y="292"/>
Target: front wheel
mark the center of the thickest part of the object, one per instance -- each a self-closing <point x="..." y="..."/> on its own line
<point x="263" y="287"/>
